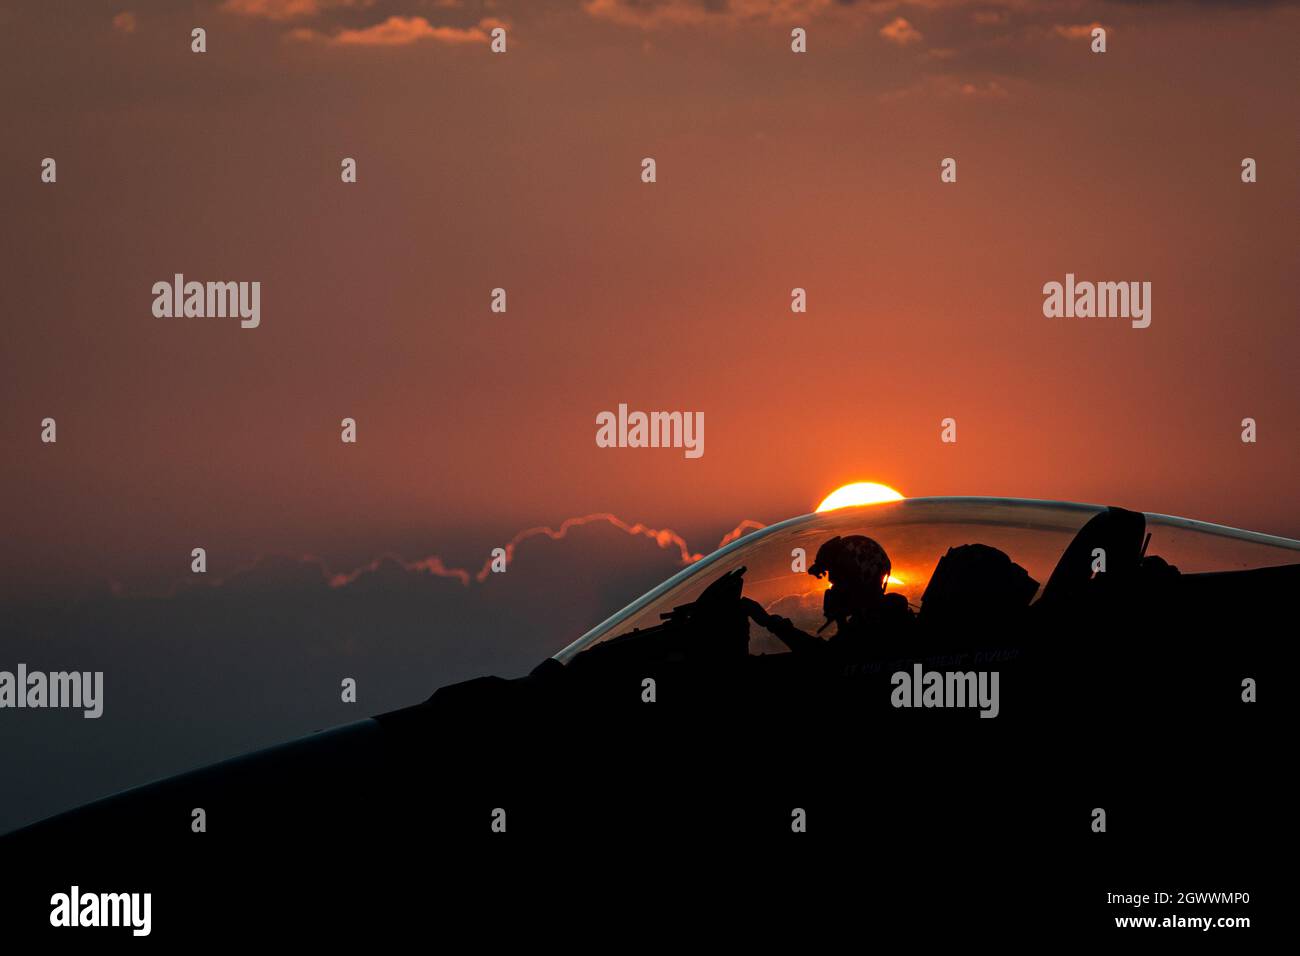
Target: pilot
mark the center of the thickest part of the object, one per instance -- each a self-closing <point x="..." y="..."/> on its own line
<point x="856" y="602"/>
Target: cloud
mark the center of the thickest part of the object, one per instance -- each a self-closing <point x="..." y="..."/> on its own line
<point x="1077" y="31"/>
<point x="1227" y="4"/>
<point x="657" y="14"/>
<point x="124" y="22"/>
<point x="286" y="9"/>
<point x="900" y="32"/>
<point x="259" y="657"/>
<point x="649" y="15"/>
<point x="673" y="13"/>
<point x="272" y="9"/>
<point x="310" y="571"/>
<point x="401" y="31"/>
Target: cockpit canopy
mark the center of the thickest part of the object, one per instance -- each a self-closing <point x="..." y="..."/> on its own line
<point x="916" y="533"/>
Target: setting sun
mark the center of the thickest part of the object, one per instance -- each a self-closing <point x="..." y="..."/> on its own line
<point x="859" y="493"/>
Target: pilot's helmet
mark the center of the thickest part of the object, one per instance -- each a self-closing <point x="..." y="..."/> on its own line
<point x="854" y="562"/>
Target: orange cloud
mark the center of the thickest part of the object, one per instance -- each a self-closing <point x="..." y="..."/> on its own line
<point x="654" y="14"/>
<point x="402" y="31"/>
<point x="124" y="22"/>
<point x="900" y="32"/>
<point x="286" y="9"/>
<point x="646" y="18"/>
<point x="1078" y="31"/>
<point x="664" y="537"/>
<point x="272" y="9"/>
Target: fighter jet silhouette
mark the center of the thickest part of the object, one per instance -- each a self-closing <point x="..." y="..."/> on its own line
<point x="756" y="681"/>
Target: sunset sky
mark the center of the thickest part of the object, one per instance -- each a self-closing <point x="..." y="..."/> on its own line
<point x="522" y="170"/>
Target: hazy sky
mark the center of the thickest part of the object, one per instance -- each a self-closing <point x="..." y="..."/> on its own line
<point x="522" y="170"/>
